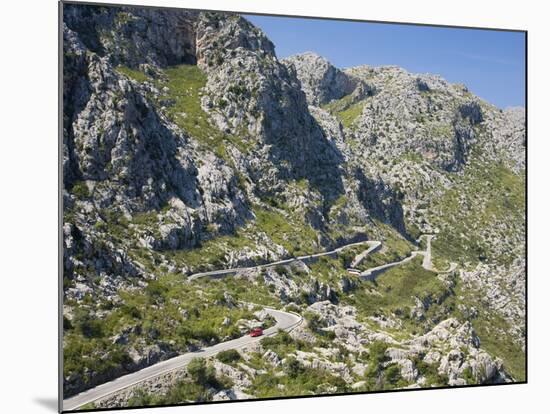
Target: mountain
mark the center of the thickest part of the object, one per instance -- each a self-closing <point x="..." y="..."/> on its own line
<point x="188" y="146"/>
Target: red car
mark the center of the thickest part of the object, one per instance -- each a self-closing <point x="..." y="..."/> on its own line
<point x="256" y="332"/>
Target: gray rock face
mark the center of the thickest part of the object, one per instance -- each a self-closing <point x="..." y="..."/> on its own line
<point x="320" y="80"/>
<point x="249" y="92"/>
<point x="133" y="162"/>
<point x="464" y="355"/>
<point x="135" y="36"/>
<point x="471" y="111"/>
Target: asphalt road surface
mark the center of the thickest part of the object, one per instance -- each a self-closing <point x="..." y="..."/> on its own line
<point x="426" y="261"/>
<point x="373" y="246"/>
<point x="284" y="321"/>
<point x="227" y="272"/>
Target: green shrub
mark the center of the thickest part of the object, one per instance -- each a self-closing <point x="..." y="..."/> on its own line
<point x="131" y="311"/>
<point x="313" y="321"/>
<point x="67" y="324"/>
<point x="134" y="74"/>
<point x="330" y="335"/>
<point x="377" y="352"/>
<point x="316" y="325"/>
<point x="430" y="372"/>
<point x="199" y="371"/>
<point x="392" y="374"/>
<point x="202" y="373"/>
<point x="282" y="339"/>
<point x="186" y="391"/>
<point x="292" y="232"/>
<point x="468" y="376"/>
<point x="292" y="367"/>
<point x="86" y="325"/>
<point x="229" y="356"/>
<point x="67" y="282"/>
<point x="80" y="190"/>
<point x="141" y="399"/>
<point x="376" y="357"/>
<point x="156" y="290"/>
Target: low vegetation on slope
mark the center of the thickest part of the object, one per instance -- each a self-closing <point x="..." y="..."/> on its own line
<point x="487" y="200"/>
<point x="202" y="379"/>
<point x="394" y="296"/>
<point x="493" y="330"/>
<point x="184" y="84"/>
<point x="167" y="316"/>
<point x="345" y="109"/>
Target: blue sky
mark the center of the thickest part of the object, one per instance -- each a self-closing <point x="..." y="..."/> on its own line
<point x="491" y="63"/>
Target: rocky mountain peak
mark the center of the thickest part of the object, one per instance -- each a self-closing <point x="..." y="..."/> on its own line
<point x="226" y="34"/>
<point x="321" y="81"/>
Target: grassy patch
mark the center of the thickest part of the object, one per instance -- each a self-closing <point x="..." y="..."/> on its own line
<point x="413" y="157"/>
<point x="185" y="84"/>
<point x="328" y="270"/>
<point x="492" y="331"/>
<point x="440" y="131"/>
<point x="298" y="238"/>
<point x="345" y="109"/>
<point x="133" y="74"/>
<point x="394" y="248"/>
<point x="493" y="339"/>
<point x="393" y="295"/>
<point x="211" y="254"/>
<point x="349" y="116"/>
<point x="480" y="201"/>
<point x="88" y="406"/>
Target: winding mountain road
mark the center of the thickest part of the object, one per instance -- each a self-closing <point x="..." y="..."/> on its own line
<point x="226" y="272"/>
<point x="374" y="245"/>
<point x="284" y="321"/>
<point x="426" y="261"/>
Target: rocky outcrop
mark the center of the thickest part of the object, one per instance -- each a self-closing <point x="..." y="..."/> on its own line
<point x="320" y="80"/>
<point x="502" y="290"/>
<point x="465" y="357"/>
<point x="136" y="37"/>
<point x="452" y="346"/>
<point x="250" y="93"/>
